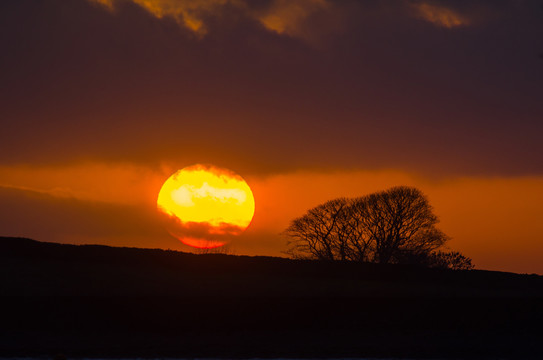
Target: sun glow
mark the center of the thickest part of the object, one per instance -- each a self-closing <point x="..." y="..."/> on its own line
<point x="206" y="206"/>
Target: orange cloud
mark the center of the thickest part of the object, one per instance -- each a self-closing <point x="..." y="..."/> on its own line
<point x="284" y="17"/>
<point x="440" y="15"/>
<point x="106" y="3"/>
<point x="289" y="17"/>
<point x="188" y="13"/>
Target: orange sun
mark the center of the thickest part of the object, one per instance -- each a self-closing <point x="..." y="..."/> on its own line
<point x="206" y="206"/>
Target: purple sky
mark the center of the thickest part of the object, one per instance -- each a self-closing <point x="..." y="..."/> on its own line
<point x="372" y="85"/>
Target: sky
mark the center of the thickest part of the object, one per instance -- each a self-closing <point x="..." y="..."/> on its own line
<point x="308" y="100"/>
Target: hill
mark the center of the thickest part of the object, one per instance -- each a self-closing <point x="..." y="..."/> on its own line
<point x="90" y="300"/>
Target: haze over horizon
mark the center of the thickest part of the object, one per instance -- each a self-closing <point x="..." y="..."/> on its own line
<point x="308" y="100"/>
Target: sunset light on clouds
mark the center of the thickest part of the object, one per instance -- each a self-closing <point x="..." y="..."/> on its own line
<point x="279" y="16"/>
<point x="440" y="15"/>
<point x="309" y="100"/>
<point x="187" y="13"/>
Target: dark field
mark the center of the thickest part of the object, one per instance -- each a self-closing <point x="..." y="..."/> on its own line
<point x="123" y="302"/>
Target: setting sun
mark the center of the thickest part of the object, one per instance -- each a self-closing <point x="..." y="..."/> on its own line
<point x="206" y="206"/>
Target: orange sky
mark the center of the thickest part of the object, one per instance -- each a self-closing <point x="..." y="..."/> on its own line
<point x="494" y="220"/>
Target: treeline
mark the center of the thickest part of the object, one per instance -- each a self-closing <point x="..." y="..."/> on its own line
<point x="393" y="226"/>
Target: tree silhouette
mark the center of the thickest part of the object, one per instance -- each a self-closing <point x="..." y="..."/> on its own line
<point x="320" y="232"/>
<point x="398" y="221"/>
<point x="392" y="226"/>
<point x="450" y="260"/>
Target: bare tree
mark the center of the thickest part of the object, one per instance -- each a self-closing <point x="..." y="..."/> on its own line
<point x="320" y="232"/>
<point x="393" y="226"/>
<point x="360" y="244"/>
<point x="397" y="221"/>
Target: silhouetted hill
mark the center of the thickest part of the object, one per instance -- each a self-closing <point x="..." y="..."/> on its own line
<point x="36" y="268"/>
<point x="90" y="300"/>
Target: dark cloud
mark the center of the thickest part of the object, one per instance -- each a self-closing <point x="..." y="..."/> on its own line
<point x="387" y="87"/>
<point x="203" y="234"/>
<point x="46" y="217"/>
<point x="61" y="219"/>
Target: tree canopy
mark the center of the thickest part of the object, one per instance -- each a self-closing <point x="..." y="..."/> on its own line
<point x="392" y="226"/>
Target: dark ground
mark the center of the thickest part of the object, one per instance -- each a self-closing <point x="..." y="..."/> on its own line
<point x="125" y="302"/>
